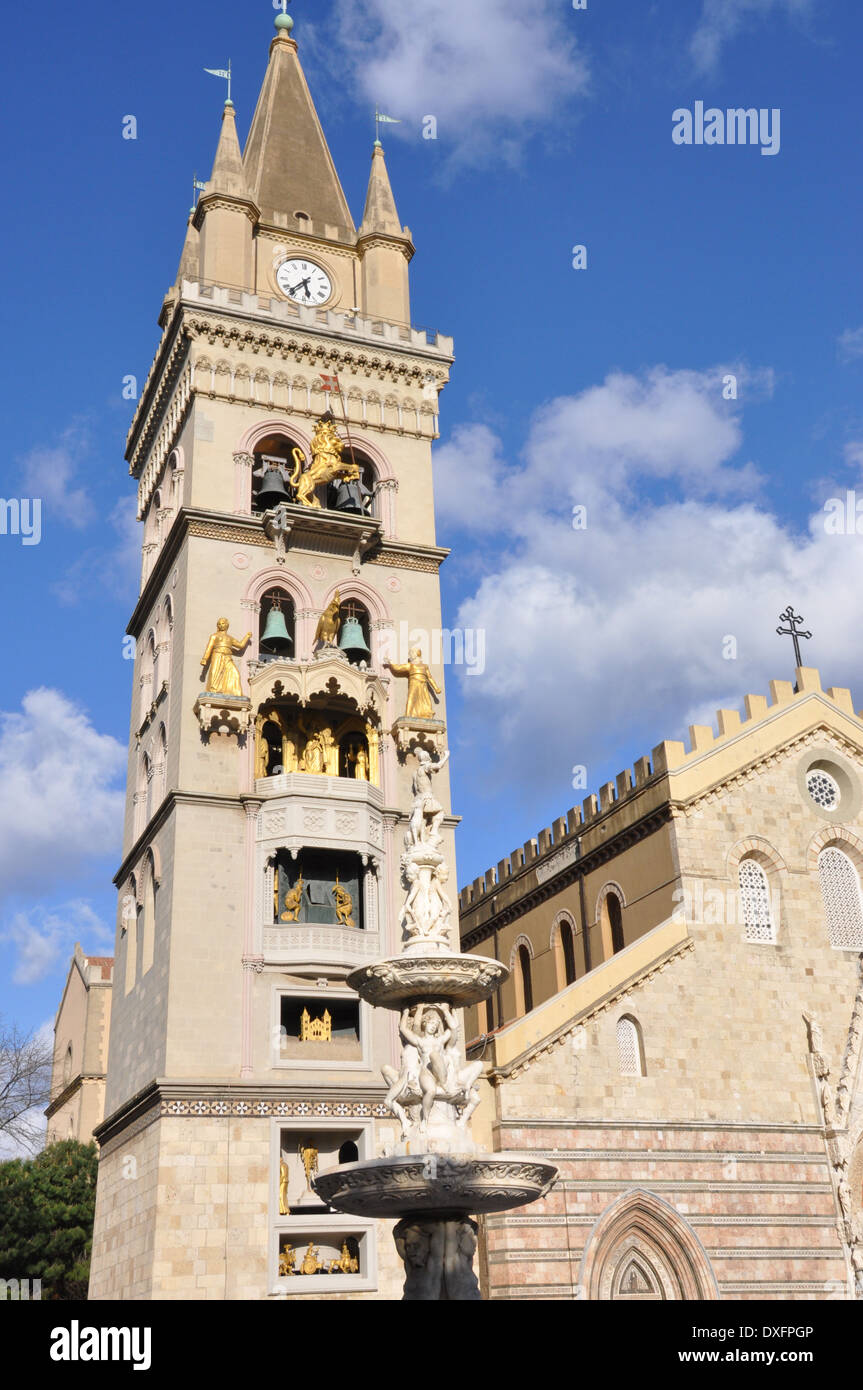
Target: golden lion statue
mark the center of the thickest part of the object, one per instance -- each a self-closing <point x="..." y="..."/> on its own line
<point x="326" y="466"/>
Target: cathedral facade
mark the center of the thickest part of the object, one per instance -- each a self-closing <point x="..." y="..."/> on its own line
<point x="681" y="1032"/>
<point x="282" y="451"/>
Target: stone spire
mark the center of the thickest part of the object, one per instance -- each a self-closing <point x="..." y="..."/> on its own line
<point x="228" y="177"/>
<point x="287" y="161"/>
<point x="226" y="215"/>
<point x="385" y="248"/>
<point x="380" y="213"/>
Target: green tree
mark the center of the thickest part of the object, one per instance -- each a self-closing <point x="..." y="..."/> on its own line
<point x="46" y="1218"/>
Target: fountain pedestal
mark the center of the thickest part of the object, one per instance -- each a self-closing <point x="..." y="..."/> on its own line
<point x="438" y="1178"/>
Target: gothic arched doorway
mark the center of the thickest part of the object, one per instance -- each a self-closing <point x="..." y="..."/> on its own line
<point x="642" y="1249"/>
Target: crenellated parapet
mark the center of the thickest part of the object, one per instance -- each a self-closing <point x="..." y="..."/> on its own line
<point x="674" y="773"/>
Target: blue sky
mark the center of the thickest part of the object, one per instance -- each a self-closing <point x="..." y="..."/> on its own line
<point x="599" y="387"/>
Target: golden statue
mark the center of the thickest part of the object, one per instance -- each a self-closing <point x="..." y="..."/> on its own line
<point x="329" y="622"/>
<point x="262" y="748"/>
<point x="284" y="1209"/>
<point x="358" y="761"/>
<point x="293" y="902"/>
<point x="346" y="1263"/>
<point x="311" y="1264"/>
<point x="344" y="904"/>
<point x="327" y="463"/>
<point x="316" y="1029"/>
<point x="421" y="683"/>
<point x="287" y="1258"/>
<point x="224" y="678"/>
<point x="309" y="1159"/>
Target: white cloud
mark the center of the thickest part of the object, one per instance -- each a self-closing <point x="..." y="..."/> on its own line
<point x="59" y="808"/>
<point x="489" y="72"/>
<point x="112" y="568"/>
<point x="723" y="20"/>
<point x="49" y="473"/>
<point x="44" y="938"/>
<point x="614" y="632"/>
<point x="850" y="344"/>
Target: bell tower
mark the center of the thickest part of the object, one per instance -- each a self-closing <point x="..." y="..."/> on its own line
<point x="288" y="671"/>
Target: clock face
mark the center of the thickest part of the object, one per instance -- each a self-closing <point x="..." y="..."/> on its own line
<point x="304" y="282"/>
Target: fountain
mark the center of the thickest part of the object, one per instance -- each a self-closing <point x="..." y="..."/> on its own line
<point x="437" y="1178"/>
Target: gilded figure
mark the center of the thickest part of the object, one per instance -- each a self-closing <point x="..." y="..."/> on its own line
<point x="344" y="904"/>
<point x="326" y="466"/>
<point x="287" y="1258"/>
<point x="329" y="622"/>
<point x="358" y="761"/>
<point x="311" y="1263"/>
<point x="421" y="683"/>
<point x="346" y="1263"/>
<point x="223" y="678"/>
<point x="293" y="902"/>
<point x="284" y="1209"/>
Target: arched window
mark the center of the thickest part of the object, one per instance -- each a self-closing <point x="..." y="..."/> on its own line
<point x="630" y="1051"/>
<point x="161" y="770"/>
<point x="164" y="637"/>
<point x="349" y="1153"/>
<point x="148" y="919"/>
<point x="130" y="923"/>
<point x="67" y="1066"/>
<point x="275" y="452"/>
<point x="523" y="981"/>
<point x="840" y="889"/>
<point x="611" y="924"/>
<point x="758" y="922"/>
<point x="148" y="789"/>
<point x="277" y="626"/>
<point x="567" y="944"/>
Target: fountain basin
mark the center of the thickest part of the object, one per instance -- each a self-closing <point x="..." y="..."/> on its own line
<point x="404" y="980"/>
<point x="435" y="1184"/>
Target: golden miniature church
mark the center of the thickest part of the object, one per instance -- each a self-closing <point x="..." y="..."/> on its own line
<point x="282" y="451"/>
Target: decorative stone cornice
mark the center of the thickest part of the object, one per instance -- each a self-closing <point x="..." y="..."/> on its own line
<point x="164" y="1098"/>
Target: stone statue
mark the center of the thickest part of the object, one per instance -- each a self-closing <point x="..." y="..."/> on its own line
<point x="224" y="678"/>
<point x="420" y="685"/>
<point x="420" y="1246"/>
<point x="426" y="813"/>
<point x="438" y="1259"/>
<point x="293" y="901"/>
<point x="329" y="623"/>
<point x="327" y="463"/>
<point x="284" y="1209"/>
<point x="425" y="915"/>
<point x="344" y="904"/>
<point x="459" y="1279"/>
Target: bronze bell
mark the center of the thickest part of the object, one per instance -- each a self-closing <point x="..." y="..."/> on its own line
<point x="351" y="639"/>
<point x="275" y="636"/>
<point x="272" y="491"/>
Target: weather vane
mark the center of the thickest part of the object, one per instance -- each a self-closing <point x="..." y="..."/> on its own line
<point x="222" y="72"/>
<point x="381" y="119"/>
<point x="792" y="619"/>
